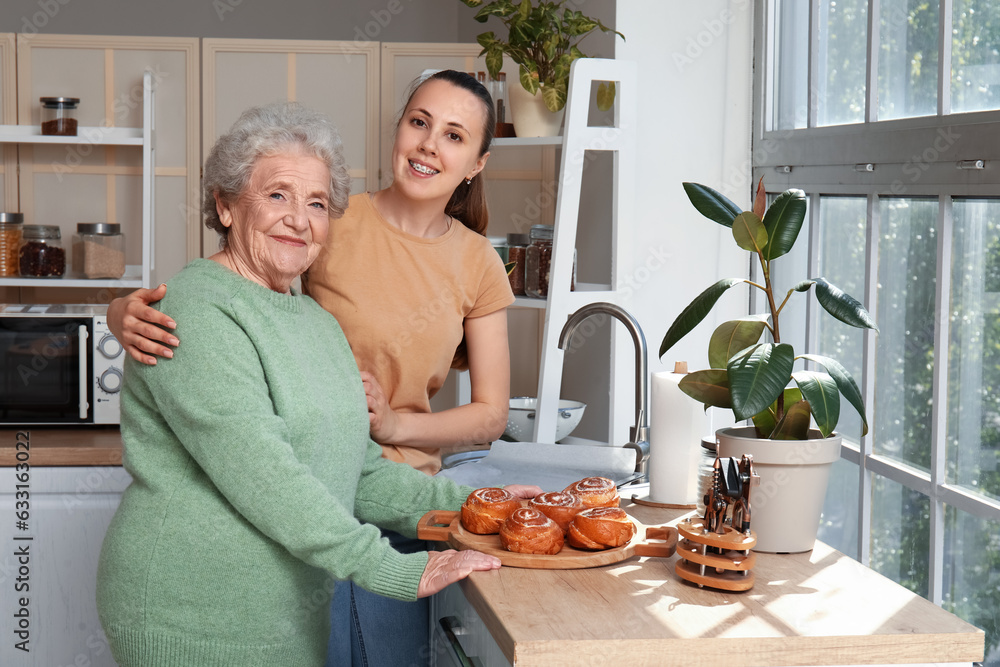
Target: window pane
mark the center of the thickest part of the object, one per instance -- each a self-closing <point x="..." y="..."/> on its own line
<point x="842" y="224"/>
<point x="791" y="65"/>
<point x="839" y="525"/>
<point x="974" y="349"/>
<point x="900" y="534"/>
<point x="908" y="58"/>
<point x="975" y="55"/>
<point x="842" y="53"/>
<point x="972" y="573"/>
<point x="904" y="350"/>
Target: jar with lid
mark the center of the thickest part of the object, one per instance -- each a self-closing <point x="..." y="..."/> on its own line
<point x="59" y="115"/>
<point x="537" y="261"/>
<point x="499" y="244"/>
<point x="99" y="250"/>
<point x="42" y="254"/>
<point x="11" y="228"/>
<point x="517" y="247"/>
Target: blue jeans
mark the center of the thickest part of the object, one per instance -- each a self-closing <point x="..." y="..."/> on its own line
<point x="369" y="630"/>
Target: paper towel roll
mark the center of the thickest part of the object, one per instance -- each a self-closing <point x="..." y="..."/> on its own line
<point x="676" y="427"/>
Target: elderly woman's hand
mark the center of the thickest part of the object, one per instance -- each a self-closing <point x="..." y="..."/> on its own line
<point x="134" y="324"/>
<point x="447" y="567"/>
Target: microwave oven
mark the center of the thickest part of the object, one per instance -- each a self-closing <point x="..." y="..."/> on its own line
<point x="59" y="365"/>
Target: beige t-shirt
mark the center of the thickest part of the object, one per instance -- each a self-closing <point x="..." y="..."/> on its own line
<point x="402" y="302"/>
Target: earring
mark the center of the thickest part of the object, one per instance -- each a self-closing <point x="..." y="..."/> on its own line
<point x="468" y="181"/>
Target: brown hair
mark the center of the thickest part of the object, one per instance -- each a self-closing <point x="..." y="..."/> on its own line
<point x="468" y="202"/>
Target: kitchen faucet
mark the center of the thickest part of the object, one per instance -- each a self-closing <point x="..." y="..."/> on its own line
<point x="638" y="434"/>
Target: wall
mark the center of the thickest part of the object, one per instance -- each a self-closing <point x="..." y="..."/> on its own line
<point x="695" y="60"/>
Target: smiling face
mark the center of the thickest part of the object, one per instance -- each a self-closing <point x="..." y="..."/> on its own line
<point x="280" y="221"/>
<point x="438" y="141"/>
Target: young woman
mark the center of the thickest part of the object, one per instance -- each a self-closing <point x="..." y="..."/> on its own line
<point x="417" y="289"/>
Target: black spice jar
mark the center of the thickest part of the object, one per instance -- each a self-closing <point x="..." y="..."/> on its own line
<point x="41" y="254"/>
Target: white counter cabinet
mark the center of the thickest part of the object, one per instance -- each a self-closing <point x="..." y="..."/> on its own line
<point x="69" y="509"/>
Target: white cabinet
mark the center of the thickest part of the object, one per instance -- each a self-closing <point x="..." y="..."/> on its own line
<point x="459" y="638"/>
<point x="142" y="138"/>
<point x="69" y="513"/>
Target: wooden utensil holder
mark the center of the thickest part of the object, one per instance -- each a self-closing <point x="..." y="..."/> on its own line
<point x="726" y="567"/>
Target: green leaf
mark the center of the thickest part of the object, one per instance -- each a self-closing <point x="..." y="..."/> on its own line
<point x="711" y="204"/>
<point x="710" y="387"/>
<point x="529" y="79"/>
<point x="795" y="424"/>
<point x="525" y="9"/>
<point x="843" y="306"/>
<point x="486" y="40"/>
<point x="749" y="232"/>
<point x="554" y="96"/>
<point x="509" y="266"/>
<point x="605" y="95"/>
<point x="494" y="60"/>
<point x="695" y="313"/>
<point x="802" y="286"/>
<point x="845" y="384"/>
<point x="765" y="421"/>
<point x="823" y="396"/>
<point x="757" y="377"/>
<point x="783" y="221"/>
<point x="732" y="337"/>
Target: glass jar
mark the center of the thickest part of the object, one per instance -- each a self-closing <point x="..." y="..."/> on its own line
<point x="499" y="244"/>
<point x="99" y="250"/>
<point x="517" y="247"/>
<point x="42" y="254"/>
<point x="538" y="259"/>
<point x="59" y="115"/>
<point x="11" y="228"/>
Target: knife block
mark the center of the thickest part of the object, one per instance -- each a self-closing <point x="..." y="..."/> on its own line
<point x="717" y="560"/>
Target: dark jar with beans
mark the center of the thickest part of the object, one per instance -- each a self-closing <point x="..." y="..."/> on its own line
<point x="42" y="254"/>
<point x="517" y="249"/>
<point x="538" y="260"/>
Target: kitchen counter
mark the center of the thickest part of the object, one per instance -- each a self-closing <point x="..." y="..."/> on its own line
<point x="815" y="608"/>
<point x="91" y="446"/>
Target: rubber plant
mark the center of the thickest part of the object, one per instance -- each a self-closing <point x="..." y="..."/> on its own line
<point x="542" y="39"/>
<point x="752" y="375"/>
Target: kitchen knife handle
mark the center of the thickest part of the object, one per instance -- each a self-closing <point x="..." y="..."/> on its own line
<point x="661" y="542"/>
<point x="435" y="526"/>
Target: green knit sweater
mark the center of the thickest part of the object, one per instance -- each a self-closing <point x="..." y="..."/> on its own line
<point x="252" y="474"/>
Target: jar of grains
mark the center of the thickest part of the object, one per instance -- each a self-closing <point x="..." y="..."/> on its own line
<point x="517" y="247"/>
<point x="99" y="250"/>
<point x="42" y="254"/>
<point x="59" y="115"/>
<point x="538" y="259"/>
<point x="11" y="226"/>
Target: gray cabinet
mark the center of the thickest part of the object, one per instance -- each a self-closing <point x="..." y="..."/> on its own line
<point x="69" y="509"/>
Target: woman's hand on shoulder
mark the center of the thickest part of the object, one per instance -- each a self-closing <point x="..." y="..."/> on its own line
<point x="139" y="328"/>
<point x="382" y="420"/>
<point x="447" y="567"/>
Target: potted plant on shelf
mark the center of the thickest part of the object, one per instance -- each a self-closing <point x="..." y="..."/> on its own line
<point x="756" y="378"/>
<point x="542" y="40"/>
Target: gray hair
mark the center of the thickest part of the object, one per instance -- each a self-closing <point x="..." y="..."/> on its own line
<point x="270" y="130"/>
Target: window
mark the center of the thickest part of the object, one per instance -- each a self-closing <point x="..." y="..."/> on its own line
<point x="886" y="114"/>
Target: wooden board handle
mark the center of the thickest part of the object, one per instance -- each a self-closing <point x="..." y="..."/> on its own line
<point x="661" y="542"/>
<point x="435" y="526"/>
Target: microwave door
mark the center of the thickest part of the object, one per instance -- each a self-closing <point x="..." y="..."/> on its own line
<point x="84" y="373"/>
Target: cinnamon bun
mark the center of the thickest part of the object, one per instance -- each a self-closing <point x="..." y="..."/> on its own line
<point x="595" y="492"/>
<point x="559" y="506"/>
<point x="485" y="510"/>
<point x="528" y="531"/>
<point x="600" y="528"/>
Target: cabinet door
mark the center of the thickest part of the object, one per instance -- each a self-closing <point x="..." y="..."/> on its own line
<point x="337" y="78"/>
<point x="70" y="510"/>
<point x="88" y="182"/>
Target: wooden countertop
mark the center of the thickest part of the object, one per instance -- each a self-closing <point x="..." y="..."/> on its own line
<point x="815" y="608"/>
<point x="93" y="446"/>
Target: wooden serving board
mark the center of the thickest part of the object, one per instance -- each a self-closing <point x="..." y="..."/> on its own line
<point x="446" y="526"/>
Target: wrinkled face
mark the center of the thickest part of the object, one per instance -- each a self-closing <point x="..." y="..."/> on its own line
<point x="280" y="221"/>
<point x="438" y="140"/>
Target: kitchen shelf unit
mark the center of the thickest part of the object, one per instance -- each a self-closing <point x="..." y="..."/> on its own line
<point x="136" y="275"/>
<point x="579" y="138"/>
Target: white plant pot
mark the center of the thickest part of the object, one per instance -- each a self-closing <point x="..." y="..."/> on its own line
<point x="531" y="117"/>
<point x="785" y="509"/>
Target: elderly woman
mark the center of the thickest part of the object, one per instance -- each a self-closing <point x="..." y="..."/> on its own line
<point x="255" y="479"/>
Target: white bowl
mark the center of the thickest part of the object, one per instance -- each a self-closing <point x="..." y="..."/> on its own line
<point x="521" y="418"/>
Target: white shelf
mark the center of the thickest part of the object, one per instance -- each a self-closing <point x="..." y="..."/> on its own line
<point x="528" y="141"/>
<point x="101" y="136"/>
<point x="132" y="278"/>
